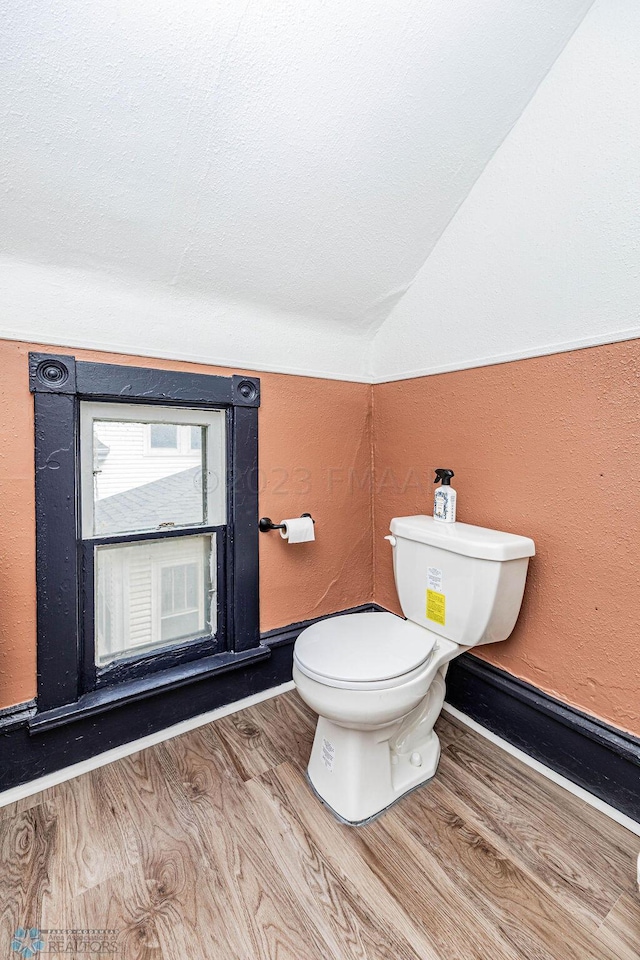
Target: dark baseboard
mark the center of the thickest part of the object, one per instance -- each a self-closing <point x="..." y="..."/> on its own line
<point x="27" y="753"/>
<point x="601" y="759"/>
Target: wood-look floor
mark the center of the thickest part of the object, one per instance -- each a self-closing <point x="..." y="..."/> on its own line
<point x="212" y="846"/>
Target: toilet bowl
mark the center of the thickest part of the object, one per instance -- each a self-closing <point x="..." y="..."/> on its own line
<point x="364" y="757"/>
<point x="377" y="681"/>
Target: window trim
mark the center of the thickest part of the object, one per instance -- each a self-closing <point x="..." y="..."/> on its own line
<point x="59" y="383"/>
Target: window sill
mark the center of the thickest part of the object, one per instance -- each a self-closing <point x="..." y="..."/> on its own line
<point x="108" y="698"/>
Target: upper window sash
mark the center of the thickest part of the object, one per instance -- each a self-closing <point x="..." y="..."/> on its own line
<point x="207" y="484"/>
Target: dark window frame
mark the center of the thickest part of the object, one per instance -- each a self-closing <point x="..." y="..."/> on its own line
<point x="68" y="683"/>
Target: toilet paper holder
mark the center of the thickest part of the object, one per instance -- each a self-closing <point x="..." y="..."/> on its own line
<point x="266" y="523"/>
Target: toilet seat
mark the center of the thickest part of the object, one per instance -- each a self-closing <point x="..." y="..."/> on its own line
<point x="364" y="651"/>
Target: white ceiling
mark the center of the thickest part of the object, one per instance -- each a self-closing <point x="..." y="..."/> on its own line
<point x="543" y="255"/>
<point x="255" y="183"/>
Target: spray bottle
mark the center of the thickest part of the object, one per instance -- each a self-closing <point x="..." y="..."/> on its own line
<point x="444" y="501"/>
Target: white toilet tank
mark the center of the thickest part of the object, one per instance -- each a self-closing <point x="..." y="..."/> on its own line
<point x="463" y="582"/>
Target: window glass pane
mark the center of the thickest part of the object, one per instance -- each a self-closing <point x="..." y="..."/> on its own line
<point x="195" y="439"/>
<point x="166" y="588"/>
<point x="136" y="489"/>
<point x="180" y="625"/>
<point x="153" y="593"/>
<point x="163" y="436"/>
<point x="191" y="586"/>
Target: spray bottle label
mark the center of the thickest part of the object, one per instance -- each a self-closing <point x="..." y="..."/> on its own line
<point x="441" y="504"/>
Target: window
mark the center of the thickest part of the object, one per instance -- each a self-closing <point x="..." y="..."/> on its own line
<point x="124" y="493"/>
<point x="171" y="439"/>
<point x="195" y="438"/>
<point x="146" y="527"/>
<point x="181" y="594"/>
<point x="163" y="436"/>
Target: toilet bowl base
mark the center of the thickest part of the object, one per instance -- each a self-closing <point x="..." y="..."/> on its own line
<point x="374" y="816"/>
<point x="358" y="776"/>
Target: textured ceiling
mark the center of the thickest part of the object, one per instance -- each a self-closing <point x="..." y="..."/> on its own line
<point x="543" y="255"/>
<point x="298" y="156"/>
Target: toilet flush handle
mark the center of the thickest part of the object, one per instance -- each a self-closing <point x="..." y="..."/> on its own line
<point x="392" y="540"/>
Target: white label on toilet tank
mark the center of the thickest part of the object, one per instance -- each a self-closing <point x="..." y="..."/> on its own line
<point x="434" y="578"/>
<point x="328" y="754"/>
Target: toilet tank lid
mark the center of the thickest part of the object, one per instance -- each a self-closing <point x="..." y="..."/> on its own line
<point x="463" y="538"/>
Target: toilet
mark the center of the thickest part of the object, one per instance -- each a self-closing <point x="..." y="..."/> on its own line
<point x="377" y="681"/>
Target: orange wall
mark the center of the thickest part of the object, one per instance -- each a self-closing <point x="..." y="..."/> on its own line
<point x="315" y="453"/>
<point x="548" y="448"/>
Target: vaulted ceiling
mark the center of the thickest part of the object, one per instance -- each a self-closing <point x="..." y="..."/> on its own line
<point x="264" y="163"/>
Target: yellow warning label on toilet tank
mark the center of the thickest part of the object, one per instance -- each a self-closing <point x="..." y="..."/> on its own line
<point x="435" y="607"/>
